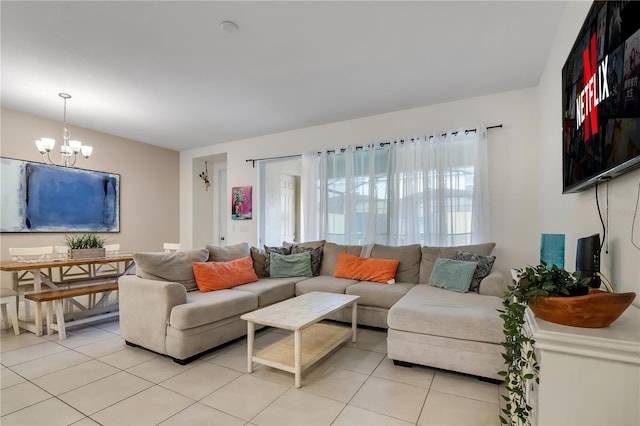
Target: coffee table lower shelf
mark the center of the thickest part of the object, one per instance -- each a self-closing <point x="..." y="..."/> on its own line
<point x="319" y="340"/>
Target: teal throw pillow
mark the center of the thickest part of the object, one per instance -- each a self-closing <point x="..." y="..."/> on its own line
<point x="292" y="265"/>
<point x="454" y="275"/>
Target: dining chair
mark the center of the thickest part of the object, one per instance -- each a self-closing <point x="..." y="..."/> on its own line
<point x="9" y="305"/>
<point x="171" y="247"/>
<point x="61" y="252"/>
<point x="111" y="249"/>
<point x="23" y="282"/>
<point x="25" y="254"/>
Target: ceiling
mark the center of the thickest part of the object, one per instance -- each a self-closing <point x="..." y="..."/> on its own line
<point x="165" y="73"/>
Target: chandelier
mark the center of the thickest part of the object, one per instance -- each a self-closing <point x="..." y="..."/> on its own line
<point x="69" y="149"/>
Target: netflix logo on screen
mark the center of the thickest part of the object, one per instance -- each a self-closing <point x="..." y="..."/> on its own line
<point x="596" y="89"/>
<point x="601" y="96"/>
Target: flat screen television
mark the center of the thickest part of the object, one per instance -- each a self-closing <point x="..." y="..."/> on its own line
<point x="601" y="97"/>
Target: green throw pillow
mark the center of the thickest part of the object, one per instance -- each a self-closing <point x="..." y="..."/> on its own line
<point x="292" y="265"/>
<point x="454" y="275"/>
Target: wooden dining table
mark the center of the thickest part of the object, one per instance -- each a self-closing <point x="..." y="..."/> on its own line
<point x="71" y="273"/>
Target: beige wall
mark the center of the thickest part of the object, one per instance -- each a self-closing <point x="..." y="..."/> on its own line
<point x="149" y="182"/>
<point x="576" y="215"/>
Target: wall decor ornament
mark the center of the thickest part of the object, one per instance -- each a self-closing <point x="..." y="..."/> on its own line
<point x="39" y="197"/>
<point x="205" y="177"/>
<point x="241" y="203"/>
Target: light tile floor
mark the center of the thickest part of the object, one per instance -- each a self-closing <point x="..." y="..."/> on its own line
<point x="92" y="378"/>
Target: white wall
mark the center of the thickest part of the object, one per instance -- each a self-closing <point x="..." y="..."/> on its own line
<point x="205" y="202"/>
<point x="512" y="152"/>
<point x="576" y="215"/>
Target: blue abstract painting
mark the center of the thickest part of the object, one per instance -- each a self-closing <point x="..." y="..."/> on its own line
<point x="38" y="197"/>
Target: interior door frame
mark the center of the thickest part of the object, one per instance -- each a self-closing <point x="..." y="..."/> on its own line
<point x="220" y="236"/>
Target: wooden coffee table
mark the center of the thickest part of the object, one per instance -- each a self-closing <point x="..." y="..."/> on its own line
<point x="311" y="341"/>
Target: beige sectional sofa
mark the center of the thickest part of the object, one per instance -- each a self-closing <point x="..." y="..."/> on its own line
<point x="426" y="325"/>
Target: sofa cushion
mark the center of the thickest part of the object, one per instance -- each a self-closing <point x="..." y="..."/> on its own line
<point x="485" y="263"/>
<point x="259" y="259"/>
<point x="366" y="269"/>
<point x="270" y="290"/>
<point x="330" y="253"/>
<point x="438" y="312"/>
<point x="293" y="265"/>
<point x="409" y="257"/>
<point x="379" y="295"/>
<point x="493" y="285"/>
<point x="220" y="275"/>
<point x="176" y="267"/>
<point x="323" y="283"/>
<point x="205" y="308"/>
<point x="227" y="253"/>
<point x="430" y="254"/>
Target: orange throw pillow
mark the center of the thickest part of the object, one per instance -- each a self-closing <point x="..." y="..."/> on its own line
<point x="220" y="275"/>
<point x="366" y="269"/>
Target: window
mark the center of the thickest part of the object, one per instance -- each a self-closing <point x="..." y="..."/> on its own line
<point x="418" y="192"/>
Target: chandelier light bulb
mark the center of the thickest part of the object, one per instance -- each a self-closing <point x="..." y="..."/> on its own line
<point x="40" y="147"/>
<point x="69" y="149"/>
<point x="75" y="146"/>
<point x="48" y="143"/>
<point x="86" y="151"/>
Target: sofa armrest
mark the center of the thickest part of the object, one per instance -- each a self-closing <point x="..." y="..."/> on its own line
<point x="145" y="307"/>
<point x="493" y="285"/>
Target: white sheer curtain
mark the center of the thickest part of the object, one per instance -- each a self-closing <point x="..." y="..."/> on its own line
<point x="314" y="196"/>
<point x="481" y="216"/>
<point x="431" y="191"/>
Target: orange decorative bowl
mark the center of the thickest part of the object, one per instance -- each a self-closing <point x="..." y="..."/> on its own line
<point x="594" y="310"/>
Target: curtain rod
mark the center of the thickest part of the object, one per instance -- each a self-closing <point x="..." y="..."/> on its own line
<point x="466" y="132"/>
<point x="253" y="160"/>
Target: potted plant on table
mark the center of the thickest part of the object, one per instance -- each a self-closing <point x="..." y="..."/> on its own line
<point x="532" y="282"/>
<point x="83" y="246"/>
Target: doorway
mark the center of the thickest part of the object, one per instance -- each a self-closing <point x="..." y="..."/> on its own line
<point x="280" y="201"/>
<point x="288" y="204"/>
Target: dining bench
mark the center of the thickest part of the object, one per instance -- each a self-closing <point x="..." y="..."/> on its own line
<point x="49" y="298"/>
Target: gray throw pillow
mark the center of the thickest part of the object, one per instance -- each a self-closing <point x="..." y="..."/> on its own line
<point x="316" y="257"/>
<point x="228" y="253"/>
<point x="485" y="263"/>
<point x="451" y="274"/>
<point x="176" y="267"/>
<point x="312" y="244"/>
<point x="267" y="252"/>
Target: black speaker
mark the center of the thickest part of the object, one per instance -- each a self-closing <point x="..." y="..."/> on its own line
<point x="588" y="259"/>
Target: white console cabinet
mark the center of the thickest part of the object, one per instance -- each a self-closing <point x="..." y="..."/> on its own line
<point x="588" y="376"/>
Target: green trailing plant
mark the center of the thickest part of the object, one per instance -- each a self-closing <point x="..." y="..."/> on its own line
<point x="518" y="353"/>
<point x="85" y="241"/>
